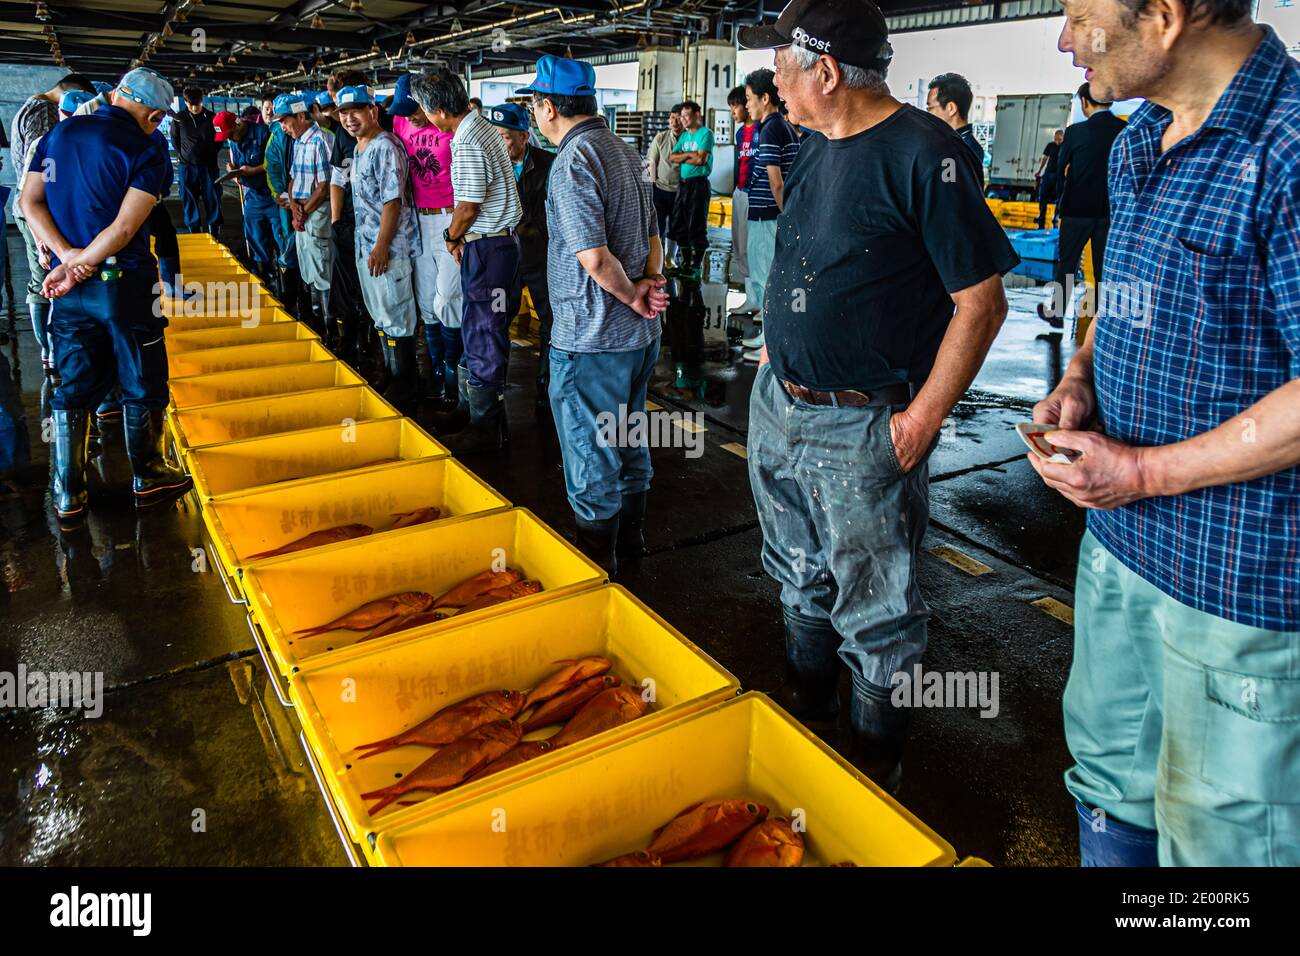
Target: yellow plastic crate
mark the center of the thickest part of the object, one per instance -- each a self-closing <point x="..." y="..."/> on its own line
<point x="610" y="803"/>
<point x="214" y="387"/>
<point x="231" y="335"/>
<point x="294" y="592"/>
<point x="238" y="357"/>
<point x="253" y="462"/>
<point x="254" y="417"/>
<point x="397" y="687"/>
<point x="195" y="323"/>
<point x="244" y="524"/>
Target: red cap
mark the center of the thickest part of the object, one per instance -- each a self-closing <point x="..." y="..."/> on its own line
<point x="224" y="123"/>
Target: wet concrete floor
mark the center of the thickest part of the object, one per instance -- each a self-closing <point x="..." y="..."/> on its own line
<point x="192" y="761"/>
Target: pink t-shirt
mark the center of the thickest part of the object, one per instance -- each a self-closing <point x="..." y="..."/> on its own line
<point x="429" y="149"/>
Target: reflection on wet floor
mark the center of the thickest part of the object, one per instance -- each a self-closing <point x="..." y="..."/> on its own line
<point x="193" y="762"/>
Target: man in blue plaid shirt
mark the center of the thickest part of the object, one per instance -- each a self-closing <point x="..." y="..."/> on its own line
<point x="1182" y="710"/>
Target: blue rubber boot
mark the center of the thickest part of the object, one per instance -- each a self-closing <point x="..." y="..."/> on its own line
<point x="1105" y="841"/>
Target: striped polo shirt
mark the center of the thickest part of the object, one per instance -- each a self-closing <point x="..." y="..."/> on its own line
<point x="481" y="172"/>
<point x="777" y="146"/>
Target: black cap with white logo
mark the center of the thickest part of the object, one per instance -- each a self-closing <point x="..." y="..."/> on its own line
<point x="852" y="31"/>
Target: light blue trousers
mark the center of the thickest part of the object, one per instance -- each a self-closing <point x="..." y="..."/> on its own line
<point x="1183" y="722"/>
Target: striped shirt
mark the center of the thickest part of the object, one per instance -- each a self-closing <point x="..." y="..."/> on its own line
<point x="777" y="146"/>
<point x="311" y="162"/>
<point x="481" y="172"/>
<point x="597" y="195"/>
<point x="1200" y="319"/>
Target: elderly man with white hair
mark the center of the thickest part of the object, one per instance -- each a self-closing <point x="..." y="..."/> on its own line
<point x="884" y="295"/>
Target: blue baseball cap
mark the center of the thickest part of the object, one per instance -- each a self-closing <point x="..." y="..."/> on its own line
<point x="72" y="99"/>
<point x="508" y="116"/>
<point x="323" y="98"/>
<point x="101" y="87"/>
<point x="147" y="87"/>
<point x="286" y="104"/>
<point x="563" y="77"/>
<point x="354" y="97"/>
<point x="403" y="103"/>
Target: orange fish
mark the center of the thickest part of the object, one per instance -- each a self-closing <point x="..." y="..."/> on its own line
<point x="345" y="532"/>
<point x="573" y="672"/>
<point x="375" y="612"/>
<point x="401" y="623"/>
<point x="452" y="722"/>
<point x="501" y="595"/>
<point x="639" y="858"/>
<point x="481" y="583"/>
<point x="705" y="828"/>
<point x="563" y="706"/>
<point x="418" y="516"/>
<point x="772" y="843"/>
<point x="452" y="764"/>
<point x="520" y="753"/>
<point x="610" y="708"/>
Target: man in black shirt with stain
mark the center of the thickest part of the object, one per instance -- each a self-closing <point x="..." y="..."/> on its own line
<point x="883" y="298"/>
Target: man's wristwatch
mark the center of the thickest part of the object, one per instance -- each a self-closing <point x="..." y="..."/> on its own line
<point x="446" y="237"/>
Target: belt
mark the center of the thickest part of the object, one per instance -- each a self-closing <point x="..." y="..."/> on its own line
<point x="435" y="212"/>
<point x="474" y="236"/>
<point x="898" y="394"/>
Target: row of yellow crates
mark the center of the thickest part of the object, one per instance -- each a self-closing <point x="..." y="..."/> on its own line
<point x="259" y="426"/>
<point x="1018" y="215"/>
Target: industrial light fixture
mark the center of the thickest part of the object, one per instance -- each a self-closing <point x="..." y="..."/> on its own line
<point x="264" y="45"/>
<point x="356" y="6"/>
<point x="320" y="64"/>
<point x="375" y="50"/>
<point x="220" y="63"/>
<point x="231" y="58"/>
<point x="317" y="23"/>
<point x="42" y="11"/>
<point x="301" y="68"/>
<point x="455" y="25"/>
<point x="180" y="17"/>
<point x="167" y="29"/>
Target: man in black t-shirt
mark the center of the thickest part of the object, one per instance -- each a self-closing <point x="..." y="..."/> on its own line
<point x="1046" y="177"/>
<point x="1084" y="203"/>
<point x="884" y="295"/>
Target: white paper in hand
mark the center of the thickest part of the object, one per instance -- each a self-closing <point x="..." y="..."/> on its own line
<point x="1032" y="434"/>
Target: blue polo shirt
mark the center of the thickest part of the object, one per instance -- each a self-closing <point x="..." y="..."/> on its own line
<point x="91" y="162"/>
<point x="251" y="151"/>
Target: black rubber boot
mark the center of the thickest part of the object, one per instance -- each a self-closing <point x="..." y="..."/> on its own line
<point x="154" y="477"/>
<point x="345" y="337"/>
<point x="403" y="384"/>
<point x="485" y="431"/>
<point x="40" y="316"/>
<point x="319" y="320"/>
<point x="453" y="418"/>
<point x="597" y="540"/>
<point x="631" y="528"/>
<point x="810" y="691"/>
<point x="110" y="409"/>
<point x="879" y="730"/>
<point x="71" y="433"/>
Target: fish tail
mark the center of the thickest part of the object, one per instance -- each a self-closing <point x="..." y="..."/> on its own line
<point x="387" y="796"/>
<point x="379" y="746"/>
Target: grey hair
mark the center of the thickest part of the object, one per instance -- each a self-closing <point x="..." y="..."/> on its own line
<point x="855" y="77"/>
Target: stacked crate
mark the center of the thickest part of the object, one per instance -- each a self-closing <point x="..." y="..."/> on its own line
<point x="282" y="440"/>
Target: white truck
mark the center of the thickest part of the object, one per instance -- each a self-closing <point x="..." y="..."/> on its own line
<point x="1023" y="125"/>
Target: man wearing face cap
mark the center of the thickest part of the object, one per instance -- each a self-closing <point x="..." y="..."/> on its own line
<point x="532" y="170"/>
<point x="884" y="295"/>
<point x="92" y="216"/>
<point x="247" y="142"/>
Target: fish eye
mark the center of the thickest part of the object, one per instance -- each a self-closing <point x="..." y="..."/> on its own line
<point x="752" y="807"/>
